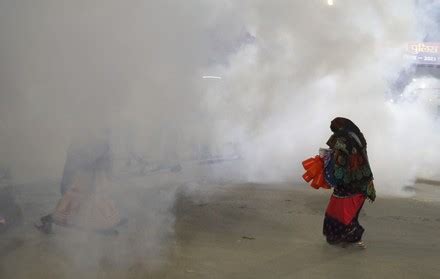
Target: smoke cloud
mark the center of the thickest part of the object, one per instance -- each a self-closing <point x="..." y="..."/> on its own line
<point x="312" y="62"/>
<point x="287" y="69"/>
<point x="284" y="70"/>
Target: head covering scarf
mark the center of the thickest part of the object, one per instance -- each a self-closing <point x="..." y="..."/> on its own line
<point x="351" y="167"/>
<point x="341" y="126"/>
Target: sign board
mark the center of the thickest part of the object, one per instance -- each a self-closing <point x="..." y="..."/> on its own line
<point x="424" y="53"/>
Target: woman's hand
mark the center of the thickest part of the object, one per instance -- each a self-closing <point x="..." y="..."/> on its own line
<point x="371" y="192"/>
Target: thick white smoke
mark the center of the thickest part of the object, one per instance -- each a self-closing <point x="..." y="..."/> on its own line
<point x="70" y="68"/>
<point x="312" y="62"/>
<point x="136" y="68"/>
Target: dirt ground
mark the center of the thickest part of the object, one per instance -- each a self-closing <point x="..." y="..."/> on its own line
<point x="229" y="231"/>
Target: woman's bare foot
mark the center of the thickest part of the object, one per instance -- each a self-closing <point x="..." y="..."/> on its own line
<point x="46" y="225"/>
<point x="358" y="244"/>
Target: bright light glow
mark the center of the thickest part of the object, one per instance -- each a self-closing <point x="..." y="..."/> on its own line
<point x="423" y="85"/>
<point x="330" y="2"/>
<point x="211" y="77"/>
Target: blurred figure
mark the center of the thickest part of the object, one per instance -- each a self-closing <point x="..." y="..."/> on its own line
<point x="86" y="177"/>
<point x="3" y="224"/>
<point x="10" y="213"/>
<point x="348" y="171"/>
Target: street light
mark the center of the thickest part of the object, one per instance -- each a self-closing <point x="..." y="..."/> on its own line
<point x="211" y="77"/>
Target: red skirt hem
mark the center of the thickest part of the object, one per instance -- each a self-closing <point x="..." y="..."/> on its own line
<point x="345" y="209"/>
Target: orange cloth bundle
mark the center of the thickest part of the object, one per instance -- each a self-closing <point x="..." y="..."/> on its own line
<point x="315" y="172"/>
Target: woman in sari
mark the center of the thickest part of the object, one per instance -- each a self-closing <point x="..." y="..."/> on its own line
<point x="85" y="203"/>
<point x="348" y="171"/>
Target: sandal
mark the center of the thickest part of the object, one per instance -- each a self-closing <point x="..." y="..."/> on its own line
<point x="44" y="227"/>
<point x="358" y="244"/>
